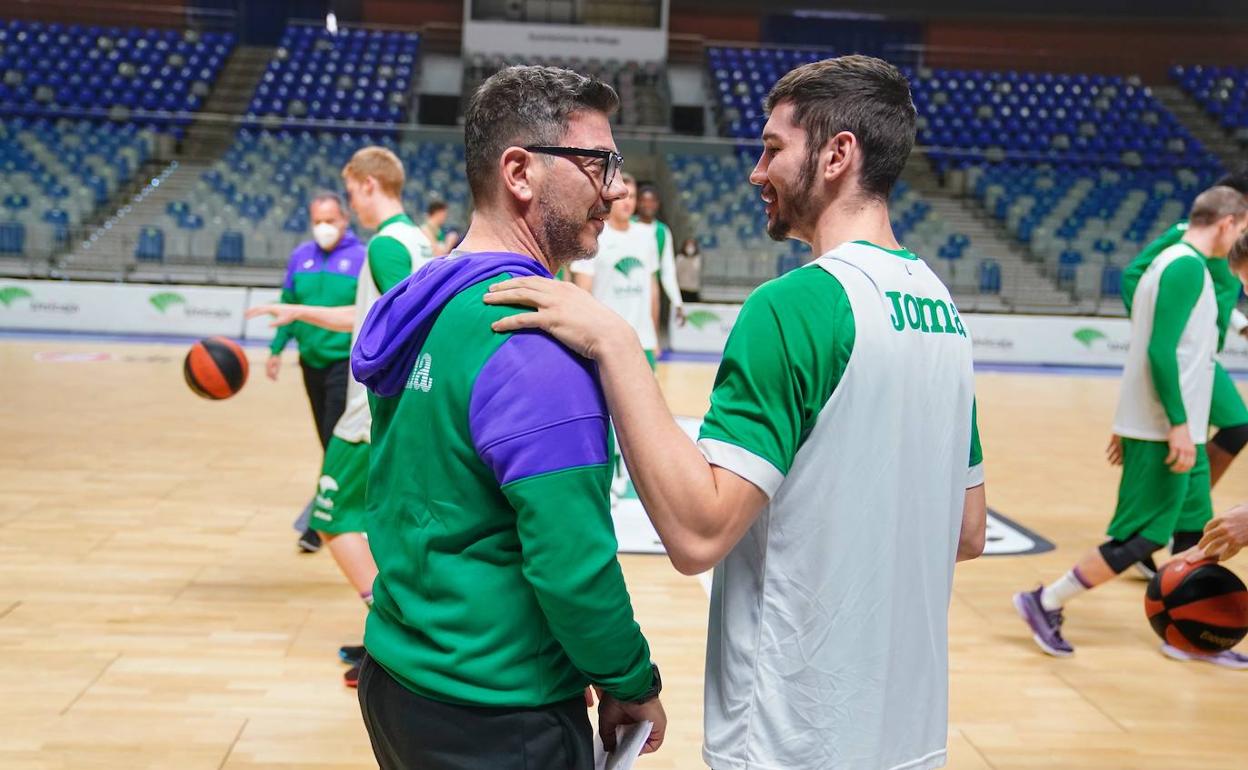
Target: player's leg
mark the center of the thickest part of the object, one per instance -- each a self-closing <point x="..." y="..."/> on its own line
<point x="314" y="384"/>
<point x="1150" y="498"/>
<point x="338" y="513"/>
<point x="352" y="555"/>
<point x="336" y="376"/>
<point x="1197" y="507"/>
<point x="339" y="509"/>
<point x="1229" y="415"/>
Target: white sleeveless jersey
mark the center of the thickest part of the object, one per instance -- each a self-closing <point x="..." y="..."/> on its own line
<point x="828" y="639"/>
<point x="1140" y="413"/>
<point x="356" y="423"/>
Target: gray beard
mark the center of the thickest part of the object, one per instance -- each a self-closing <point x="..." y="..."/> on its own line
<point x="561" y="234"/>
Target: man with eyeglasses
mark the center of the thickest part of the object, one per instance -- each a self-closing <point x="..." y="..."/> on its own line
<point x="499" y="597"/>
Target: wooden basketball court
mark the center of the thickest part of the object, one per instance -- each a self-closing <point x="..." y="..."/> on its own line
<point x="154" y="612"/>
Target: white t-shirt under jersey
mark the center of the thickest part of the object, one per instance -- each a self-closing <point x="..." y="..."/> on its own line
<point x="624" y="272"/>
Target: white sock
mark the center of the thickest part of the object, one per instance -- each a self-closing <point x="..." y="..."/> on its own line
<point x="1061" y="591"/>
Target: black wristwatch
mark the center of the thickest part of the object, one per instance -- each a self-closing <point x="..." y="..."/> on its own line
<point x="655" y="688"/>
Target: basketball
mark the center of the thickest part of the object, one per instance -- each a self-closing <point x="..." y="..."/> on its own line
<point x="1200" y="608"/>
<point x="215" y="368"/>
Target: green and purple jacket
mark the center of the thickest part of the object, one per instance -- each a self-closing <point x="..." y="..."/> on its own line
<point x="488" y="508"/>
<point x="325" y="279"/>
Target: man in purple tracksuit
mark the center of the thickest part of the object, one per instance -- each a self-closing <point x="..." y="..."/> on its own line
<point x="322" y="272"/>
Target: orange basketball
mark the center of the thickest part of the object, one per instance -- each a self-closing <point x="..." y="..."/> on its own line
<point x="215" y="368"/>
<point x="1201" y="607"/>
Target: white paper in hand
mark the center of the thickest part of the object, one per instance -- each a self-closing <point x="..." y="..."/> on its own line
<point x="628" y="744"/>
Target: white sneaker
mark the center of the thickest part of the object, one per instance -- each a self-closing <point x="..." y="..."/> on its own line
<point x="1226" y="659"/>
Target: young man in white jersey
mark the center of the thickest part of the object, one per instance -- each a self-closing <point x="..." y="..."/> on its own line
<point x="1162" y="421"/>
<point x="624" y="275"/>
<point x="648" y="205"/>
<point x="838" y="475"/>
<point x="374" y="182"/>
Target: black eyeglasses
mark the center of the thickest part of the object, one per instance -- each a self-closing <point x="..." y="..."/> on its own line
<point x="611" y="161"/>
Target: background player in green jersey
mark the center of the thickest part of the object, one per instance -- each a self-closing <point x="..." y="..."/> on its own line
<point x="1229" y="413"/>
<point x="374" y="182"/>
<point x="1162" y="421"/>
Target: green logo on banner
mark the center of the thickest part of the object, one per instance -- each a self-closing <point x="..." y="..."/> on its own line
<point x="700" y="318"/>
<point x="1088" y="335"/>
<point x="166" y="299"/>
<point x="627" y="265"/>
<point x="9" y="294"/>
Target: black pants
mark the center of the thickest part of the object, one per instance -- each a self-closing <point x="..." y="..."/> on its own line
<point x="409" y="732"/>
<point x="327" y="393"/>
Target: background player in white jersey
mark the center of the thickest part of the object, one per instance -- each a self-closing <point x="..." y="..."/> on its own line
<point x="374" y="181"/>
<point x="1162" y="420"/>
<point x="839" y="474"/>
<point x="648" y="205"/>
<point x="624" y="275"/>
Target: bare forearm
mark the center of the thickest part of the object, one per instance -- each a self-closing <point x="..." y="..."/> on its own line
<point x="677" y="487"/>
<point x="973" y="536"/>
<point x="338" y="319"/>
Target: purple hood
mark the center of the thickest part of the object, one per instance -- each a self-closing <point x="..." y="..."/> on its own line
<point x="399" y="322"/>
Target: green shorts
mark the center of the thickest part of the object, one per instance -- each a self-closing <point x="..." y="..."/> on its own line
<point x="651" y="360"/>
<point x="1155" y="502"/>
<point x="1227" y="409"/>
<point x="339" y="503"/>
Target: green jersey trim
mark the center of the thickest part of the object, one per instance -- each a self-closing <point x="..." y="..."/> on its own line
<point x="904" y="253"/>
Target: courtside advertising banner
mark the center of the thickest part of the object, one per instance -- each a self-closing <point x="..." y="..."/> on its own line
<point x="80" y="306"/>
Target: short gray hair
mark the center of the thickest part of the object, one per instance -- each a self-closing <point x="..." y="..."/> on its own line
<point x="1215" y="203"/>
<point x="521" y="106"/>
<point x="329" y="195"/>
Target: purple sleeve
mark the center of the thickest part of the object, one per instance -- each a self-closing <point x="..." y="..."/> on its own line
<point x="537" y="408"/>
<point x="292" y="264"/>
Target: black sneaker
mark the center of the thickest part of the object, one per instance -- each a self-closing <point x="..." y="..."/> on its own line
<point x="351" y="654"/>
<point x="309" y="541"/>
<point x="352" y="677"/>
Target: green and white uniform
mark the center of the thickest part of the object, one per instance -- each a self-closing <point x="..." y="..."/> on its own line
<point x="397" y="250"/>
<point x="846" y="394"/>
<point x="626" y="264"/>
<point x="1228" y="409"/>
<point x="1167" y="381"/>
<point x="667" y="262"/>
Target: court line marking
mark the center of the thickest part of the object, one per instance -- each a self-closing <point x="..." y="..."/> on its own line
<point x="233" y="743"/>
<point x="1089" y="701"/>
<point x="90" y="684"/>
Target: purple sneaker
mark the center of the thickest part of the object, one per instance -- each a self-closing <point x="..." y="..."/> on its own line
<point x="1046" y="627"/>
<point x="1226" y="659"/>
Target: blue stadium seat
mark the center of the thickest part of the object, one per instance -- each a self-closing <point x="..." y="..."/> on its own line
<point x="151" y="245"/>
<point x="12" y="238"/>
<point x="230" y="248"/>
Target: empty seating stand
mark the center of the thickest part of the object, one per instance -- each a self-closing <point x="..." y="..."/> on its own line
<point x="153" y="77"/>
<point x="356" y="75"/>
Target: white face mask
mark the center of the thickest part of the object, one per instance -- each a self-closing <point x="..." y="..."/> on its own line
<point x="325" y="235"/>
